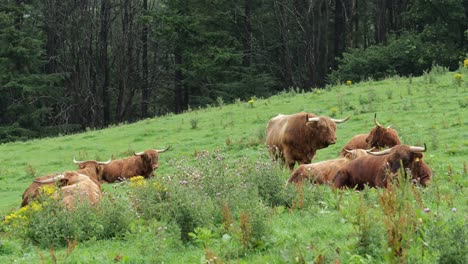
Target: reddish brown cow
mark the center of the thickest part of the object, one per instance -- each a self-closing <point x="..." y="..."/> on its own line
<point x="378" y="137"/>
<point x="74" y="187"/>
<point x="141" y="164"/>
<point x="378" y="169"/>
<point x="323" y="172"/>
<point x="91" y="168"/>
<point x="296" y="138"/>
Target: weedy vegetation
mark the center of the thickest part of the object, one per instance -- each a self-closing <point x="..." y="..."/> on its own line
<point x="218" y="198"/>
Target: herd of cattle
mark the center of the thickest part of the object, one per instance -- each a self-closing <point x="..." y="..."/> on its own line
<point x="290" y="139"/>
<point x="296" y="138"/>
<point x="85" y="183"/>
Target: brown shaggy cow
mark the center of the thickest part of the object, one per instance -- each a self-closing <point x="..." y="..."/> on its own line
<point x="296" y="138"/>
<point x="323" y="172"/>
<point x="141" y="164"/>
<point x="90" y="168"/>
<point x="74" y="187"/>
<point x="378" y="137"/>
<point x="379" y="168"/>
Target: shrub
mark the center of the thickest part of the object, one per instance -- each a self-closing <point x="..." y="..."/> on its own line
<point x="448" y="238"/>
<point x="54" y="225"/>
<point x="207" y="195"/>
<point x="406" y="55"/>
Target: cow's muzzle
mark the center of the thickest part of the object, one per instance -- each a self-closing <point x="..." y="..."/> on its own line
<point x="331" y="141"/>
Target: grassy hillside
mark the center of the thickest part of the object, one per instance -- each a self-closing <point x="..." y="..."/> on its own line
<point x="431" y="109"/>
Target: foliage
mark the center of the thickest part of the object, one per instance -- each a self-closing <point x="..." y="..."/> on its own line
<point x="53" y="225"/>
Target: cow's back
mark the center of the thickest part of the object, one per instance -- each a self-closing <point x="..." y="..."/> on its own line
<point x="275" y="130"/>
<point x="321" y="172"/>
<point x="356" y="142"/>
<point x="363" y="170"/>
<point x="121" y="169"/>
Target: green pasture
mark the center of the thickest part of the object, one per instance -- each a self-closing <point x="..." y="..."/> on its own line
<point x="431" y="109"/>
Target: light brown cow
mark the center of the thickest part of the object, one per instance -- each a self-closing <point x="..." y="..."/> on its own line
<point x="141" y="164"/>
<point x="74" y="187"/>
<point x="91" y="168"/>
<point x="296" y="138"/>
<point x="378" y="137"/>
<point x="380" y="168"/>
<point x="323" y="172"/>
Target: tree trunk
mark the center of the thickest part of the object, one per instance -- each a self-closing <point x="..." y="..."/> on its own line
<point x="286" y="56"/>
<point x="104" y="61"/>
<point x="146" y="91"/>
<point x="178" y="78"/>
<point x="247" y="39"/>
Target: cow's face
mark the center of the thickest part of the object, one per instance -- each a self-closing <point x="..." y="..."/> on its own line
<point x="324" y="130"/>
<point x="150" y="159"/>
<point x="93" y="167"/>
<point x="402" y="155"/>
<point x="380" y="137"/>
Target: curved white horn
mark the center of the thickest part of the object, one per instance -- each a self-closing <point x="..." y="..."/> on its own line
<point x="76" y="161"/>
<point x="104" y="162"/>
<point x="50" y="180"/>
<point x="418" y="149"/>
<point x="340" y="120"/>
<point x="313" y="119"/>
<point x="375" y="121"/>
<point x="163" y="150"/>
<point x="138" y="153"/>
<point x="380" y="153"/>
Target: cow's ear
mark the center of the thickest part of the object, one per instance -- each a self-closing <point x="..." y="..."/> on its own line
<point x="417" y="156"/>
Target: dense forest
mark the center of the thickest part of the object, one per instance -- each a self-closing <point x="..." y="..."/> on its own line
<point x="68" y="65"/>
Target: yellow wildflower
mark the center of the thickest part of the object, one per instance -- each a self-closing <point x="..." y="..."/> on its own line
<point x="457" y="76"/>
<point x="349" y="82"/>
<point x="48" y="189"/>
<point x="465" y="63"/>
<point x="251" y="102"/>
<point x="137" y="181"/>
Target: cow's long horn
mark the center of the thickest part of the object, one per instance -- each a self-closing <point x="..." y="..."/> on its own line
<point x="163" y="150"/>
<point x="50" y="180"/>
<point x="313" y="119"/>
<point x="375" y="121"/>
<point x="104" y="162"/>
<point x="138" y="153"/>
<point x="76" y="161"/>
<point x="380" y="153"/>
<point x="340" y="120"/>
<point x="418" y="149"/>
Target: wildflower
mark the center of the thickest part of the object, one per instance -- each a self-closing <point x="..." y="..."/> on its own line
<point x="349" y="82"/>
<point x="137" y="181"/>
<point x="48" y="189"/>
<point x="183" y="182"/>
<point x="427" y="210"/>
<point x="458" y="78"/>
<point x="251" y="102"/>
<point x="465" y="63"/>
<point x="454" y="209"/>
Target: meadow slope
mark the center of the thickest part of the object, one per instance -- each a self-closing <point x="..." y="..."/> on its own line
<point x="430" y="109"/>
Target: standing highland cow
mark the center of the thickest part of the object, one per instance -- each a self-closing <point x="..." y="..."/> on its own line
<point x="296" y="138"/>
